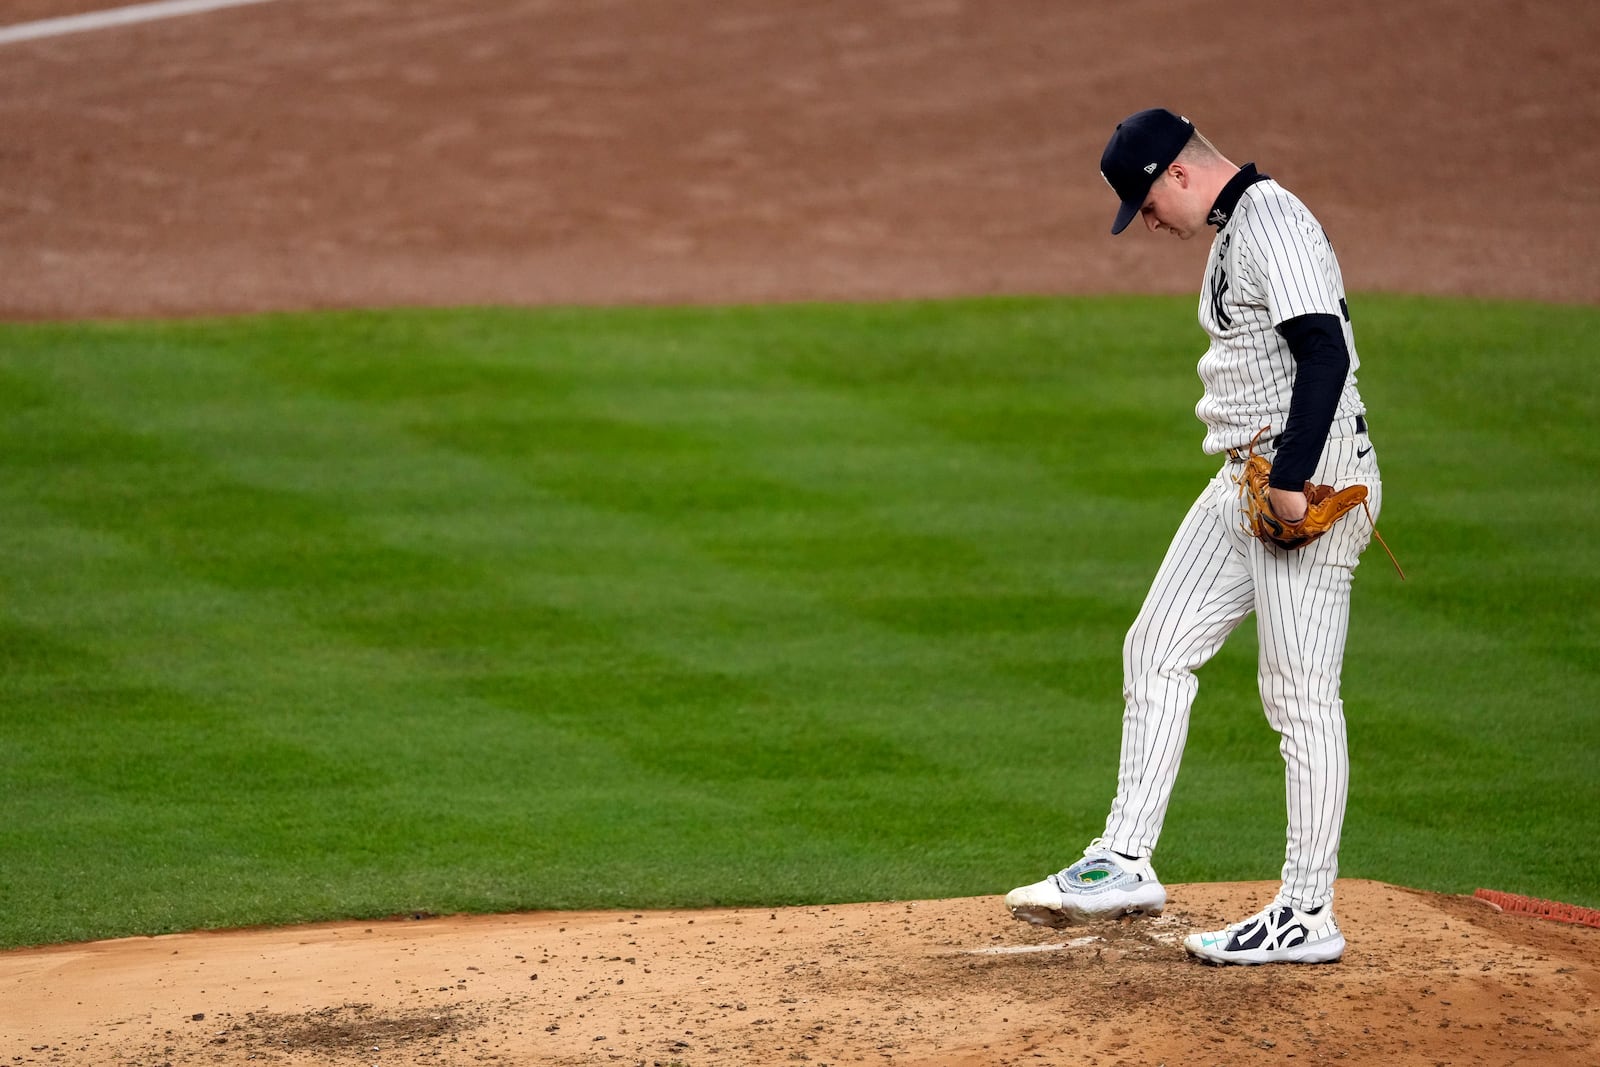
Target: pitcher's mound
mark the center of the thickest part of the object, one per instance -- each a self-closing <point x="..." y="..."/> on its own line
<point x="1427" y="979"/>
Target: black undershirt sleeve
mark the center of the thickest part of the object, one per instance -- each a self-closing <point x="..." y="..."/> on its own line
<point x="1322" y="362"/>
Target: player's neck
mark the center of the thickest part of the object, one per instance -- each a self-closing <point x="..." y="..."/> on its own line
<point x="1214" y="178"/>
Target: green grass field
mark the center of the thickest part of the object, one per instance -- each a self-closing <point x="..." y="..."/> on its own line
<point x="349" y="615"/>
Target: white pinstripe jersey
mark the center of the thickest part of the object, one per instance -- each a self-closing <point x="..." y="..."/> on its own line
<point x="1269" y="263"/>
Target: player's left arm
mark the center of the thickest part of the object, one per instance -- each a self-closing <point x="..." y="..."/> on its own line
<point x="1295" y="264"/>
<point x="1322" y="362"/>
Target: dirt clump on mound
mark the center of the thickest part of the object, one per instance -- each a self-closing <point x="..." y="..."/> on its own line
<point x="347" y="1029"/>
<point x="1427" y="979"/>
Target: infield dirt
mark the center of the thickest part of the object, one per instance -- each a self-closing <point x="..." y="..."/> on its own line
<point x="348" y="153"/>
<point x="1427" y="980"/>
<point x="339" y="153"/>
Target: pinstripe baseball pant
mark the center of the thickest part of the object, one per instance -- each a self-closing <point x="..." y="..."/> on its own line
<point x="1213" y="576"/>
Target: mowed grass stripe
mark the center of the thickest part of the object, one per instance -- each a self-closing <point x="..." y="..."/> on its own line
<point x="623" y="453"/>
<point x="195" y="520"/>
<point x="229" y="754"/>
<point x="652" y="550"/>
<point x="730" y="605"/>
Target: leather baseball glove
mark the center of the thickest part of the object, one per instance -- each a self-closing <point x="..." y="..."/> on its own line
<point x="1325" y="506"/>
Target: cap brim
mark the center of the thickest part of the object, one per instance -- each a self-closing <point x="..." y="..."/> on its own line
<point x="1125" y="215"/>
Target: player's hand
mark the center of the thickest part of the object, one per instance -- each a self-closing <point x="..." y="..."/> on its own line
<point x="1288" y="504"/>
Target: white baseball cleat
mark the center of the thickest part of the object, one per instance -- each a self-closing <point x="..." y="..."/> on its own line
<point x="1279" y="933"/>
<point x="1102" y="885"/>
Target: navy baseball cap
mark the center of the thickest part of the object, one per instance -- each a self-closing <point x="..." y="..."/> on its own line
<point x="1140" y="149"/>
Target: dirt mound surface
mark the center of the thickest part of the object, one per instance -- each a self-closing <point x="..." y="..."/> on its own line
<point x="1427" y="979"/>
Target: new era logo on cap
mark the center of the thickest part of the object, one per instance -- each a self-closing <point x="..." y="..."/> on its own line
<point x="1143" y="145"/>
